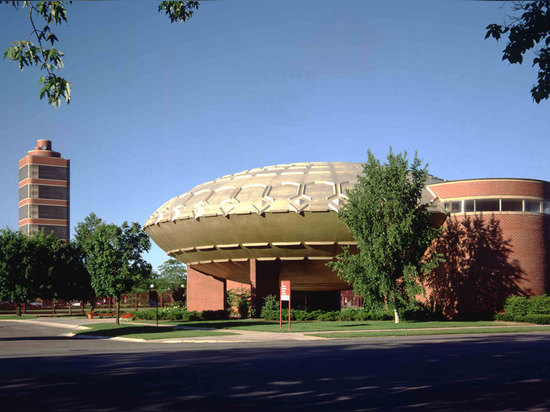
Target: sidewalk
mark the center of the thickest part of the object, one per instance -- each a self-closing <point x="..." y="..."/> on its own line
<point x="238" y="336"/>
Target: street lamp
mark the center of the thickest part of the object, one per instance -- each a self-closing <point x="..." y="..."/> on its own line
<point x="156" y="304"/>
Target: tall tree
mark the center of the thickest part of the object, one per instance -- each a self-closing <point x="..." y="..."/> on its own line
<point x="17" y="283"/>
<point x="114" y="259"/>
<point x="50" y="60"/>
<point x="390" y="224"/>
<point x="172" y="275"/>
<point x="528" y="31"/>
<point x="40" y="266"/>
<point x="84" y="229"/>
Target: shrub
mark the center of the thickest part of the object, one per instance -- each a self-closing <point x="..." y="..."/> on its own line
<point x="329" y="316"/>
<point x="517" y="305"/>
<point x="539" y="318"/>
<point x="417" y="311"/>
<point x="507" y="317"/>
<point x="270" y="308"/>
<point x="269" y="314"/>
<point x="214" y="314"/>
<point x="240" y="299"/>
<point x="520" y="307"/>
<point x="171" y="313"/>
<point x="539" y="305"/>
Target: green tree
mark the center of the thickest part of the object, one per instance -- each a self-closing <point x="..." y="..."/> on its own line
<point x="50" y="60"/>
<point x="17" y="283"/>
<point x="40" y="266"/>
<point x="172" y="275"/>
<point x="114" y="259"/>
<point x="70" y="277"/>
<point x="390" y="224"/>
<point x="530" y="30"/>
<point x="84" y="229"/>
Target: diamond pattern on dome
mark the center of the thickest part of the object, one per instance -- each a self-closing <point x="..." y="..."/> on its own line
<point x="228" y="205"/>
<point x="296" y="187"/>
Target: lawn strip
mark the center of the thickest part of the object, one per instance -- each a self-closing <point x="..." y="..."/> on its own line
<point x="446" y="331"/>
<point x="320" y="326"/>
<point x="144" y="332"/>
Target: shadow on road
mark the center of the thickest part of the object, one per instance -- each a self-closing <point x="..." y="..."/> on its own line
<point x="489" y="373"/>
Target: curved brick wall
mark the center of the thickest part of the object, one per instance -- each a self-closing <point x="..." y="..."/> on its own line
<point x="529" y="232"/>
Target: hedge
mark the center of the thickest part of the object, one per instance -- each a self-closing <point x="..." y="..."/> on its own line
<point x="344" y="315"/>
<point x="180" y="314"/>
<point x="535" y="309"/>
<point x="538" y="318"/>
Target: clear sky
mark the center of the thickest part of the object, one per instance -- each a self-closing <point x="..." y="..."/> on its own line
<point x="158" y="108"/>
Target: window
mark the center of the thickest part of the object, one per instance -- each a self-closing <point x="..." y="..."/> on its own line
<point x="53" y="212"/>
<point x="468" y="205"/>
<point x="456" y="207"/>
<point x="53" y="172"/>
<point x="487" y="205"/>
<point x="53" y="192"/>
<point x="532" y="206"/>
<point x="512" y="205"/>
<point x="24" y="172"/>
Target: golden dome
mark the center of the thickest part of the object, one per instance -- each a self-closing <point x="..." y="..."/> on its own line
<point x="274" y="212"/>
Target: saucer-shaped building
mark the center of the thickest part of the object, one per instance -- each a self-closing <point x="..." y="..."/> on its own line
<point x="257" y="227"/>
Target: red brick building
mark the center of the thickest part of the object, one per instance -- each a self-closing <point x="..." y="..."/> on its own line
<point x="257" y="227"/>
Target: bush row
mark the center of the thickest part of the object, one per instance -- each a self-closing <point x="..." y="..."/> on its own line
<point x="416" y="313"/>
<point x="522" y="306"/>
<point x="538" y="318"/>
<point x="180" y="314"/>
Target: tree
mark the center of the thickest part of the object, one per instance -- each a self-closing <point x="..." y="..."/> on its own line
<point x="529" y="31"/>
<point x="40" y="266"/>
<point x="390" y="224"/>
<point x="49" y="60"/>
<point x="16" y="272"/>
<point x="172" y="275"/>
<point x="84" y="229"/>
<point x="114" y="259"/>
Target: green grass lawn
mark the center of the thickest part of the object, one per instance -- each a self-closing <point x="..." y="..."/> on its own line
<point x="320" y="326"/>
<point x="454" y="331"/>
<point x="144" y="332"/>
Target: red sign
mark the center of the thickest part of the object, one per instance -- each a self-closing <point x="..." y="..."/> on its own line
<point x="285" y="295"/>
<point x="285" y="290"/>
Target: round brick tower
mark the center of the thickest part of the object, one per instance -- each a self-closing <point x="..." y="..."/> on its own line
<point x="522" y="208"/>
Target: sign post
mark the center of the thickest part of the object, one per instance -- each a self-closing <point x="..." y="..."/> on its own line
<point x="285" y="296"/>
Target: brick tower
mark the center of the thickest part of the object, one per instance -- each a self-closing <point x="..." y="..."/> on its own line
<point x="44" y="191"/>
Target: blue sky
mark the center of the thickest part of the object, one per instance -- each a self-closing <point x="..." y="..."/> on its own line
<point x="158" y="108"/>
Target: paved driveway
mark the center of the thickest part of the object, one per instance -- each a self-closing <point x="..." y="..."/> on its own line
<point x="42" y="370"/>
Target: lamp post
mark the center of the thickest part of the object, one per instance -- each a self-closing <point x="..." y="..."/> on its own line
<point x="156" y="305"/>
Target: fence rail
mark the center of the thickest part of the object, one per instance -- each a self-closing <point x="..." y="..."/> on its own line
<point x="133" y="302"/>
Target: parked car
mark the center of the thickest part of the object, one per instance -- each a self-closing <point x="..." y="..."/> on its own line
<point x="36" y="304"/>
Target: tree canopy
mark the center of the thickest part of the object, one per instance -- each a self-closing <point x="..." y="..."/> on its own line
<point x="114" y="258"/>
<point x="391" y="226"/>
<point x="172" y="275"/>
<point x="45" y="14"/>
<point x="40" y="266"/>
<point x="529" y="31"/>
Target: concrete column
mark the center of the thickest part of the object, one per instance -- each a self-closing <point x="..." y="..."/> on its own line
<point x="264" y="281"/>
<point x="205" y="292"/>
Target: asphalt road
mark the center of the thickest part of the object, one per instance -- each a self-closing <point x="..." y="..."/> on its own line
<point x="41" y="370"/>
